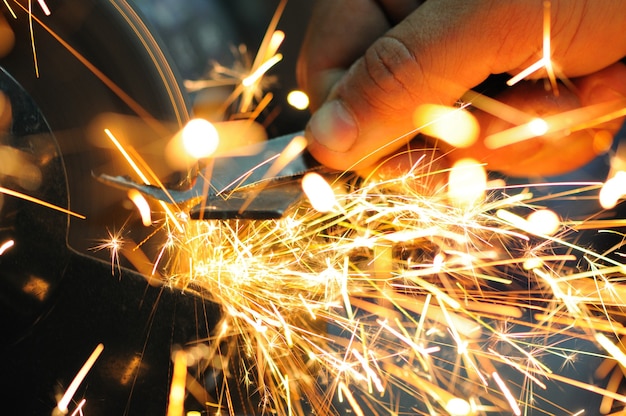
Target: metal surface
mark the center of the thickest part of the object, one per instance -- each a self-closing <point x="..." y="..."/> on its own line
<point x="235" y="182"/>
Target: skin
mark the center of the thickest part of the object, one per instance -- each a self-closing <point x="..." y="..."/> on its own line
<point x="368" y="64"/>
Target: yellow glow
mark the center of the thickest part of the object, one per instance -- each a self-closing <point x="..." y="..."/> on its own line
<point x="36" y="287"/>
<point x="194" y="413"/>
<point x="175" y="406"/>
<point x="458" y="407"/>
<point x="319" y="192"/>
<point x="613" y="190"/>
<point x="142" y="205"/>
<point x="130" y="370"/>
<point x="200" y="138"/>
<point x="467" y="183"/>
<point x="455" y="126"/>
<point x="533" y="263"/>
<point x="543" y="222"/>
<point x="298" y="99"/>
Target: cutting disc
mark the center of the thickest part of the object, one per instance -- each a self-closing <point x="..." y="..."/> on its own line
<point x="87" y="66"/>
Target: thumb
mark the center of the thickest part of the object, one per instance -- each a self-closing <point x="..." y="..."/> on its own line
<point x="433" y="56"/>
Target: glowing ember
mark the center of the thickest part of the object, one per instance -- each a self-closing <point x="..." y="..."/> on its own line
<point x="467" y="183"/>
<point x="200" y="138"/>
<point x="458" y="407"/>
<point x="613" y="190"/>
<point x="544" y="222"/>
<point x="298" y="99"/>
<point x="538" y="127"/>
<point x="319" y="192"/>
<point x="455" y="126"/>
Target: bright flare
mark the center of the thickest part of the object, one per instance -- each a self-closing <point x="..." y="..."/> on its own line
<point x="613" y="190"/>
<point x="543" y="222"/>
<point x="467" y="183"/>
<point x="319" y="192"/>
<point x="455" y="126"/>
<point x="200" y="138"/>
<point x="458" y="407"/>
<point x="538" y="126"/>
<point x="298" y="99"/>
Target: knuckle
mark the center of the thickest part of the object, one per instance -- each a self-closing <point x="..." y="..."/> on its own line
<point x="392" y="69"/>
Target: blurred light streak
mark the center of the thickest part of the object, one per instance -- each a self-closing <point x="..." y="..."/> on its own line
<point x="176" y="403"/>
<point x="78" y="379"/>
<point x="6" y="245"/>
<point x="37" y="201"/>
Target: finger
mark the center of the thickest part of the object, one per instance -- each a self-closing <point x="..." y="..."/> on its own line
<point x="338" y="33"/>
<point x="440" y="51"/>
<point x="398" y="10"/>
<point x="560" y="152"/>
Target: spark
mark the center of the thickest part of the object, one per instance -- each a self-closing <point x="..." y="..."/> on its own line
<point x="44" y="7"/>
<point x="507" y="393"/>
<point x="78" y="379"/>
<point x="458" y="407"/>
<point x="253" y="78"/>
<point x="546" y="59"/>
<point x="6" y="245"/>
<point x="611" y="348"/>
<point x="467" y="183"/>
<point x="175" y="407"/>
<point x="319" y="192"/>
<point x="200" y="138"/>
<point x="79" y="408"/>
<point x="142" y="205"/>
<point x="144" y="178"/>
<point x="114" y="245"/>
<point x="298" y="99"/>
<point x="613" y="190"/>
<point x="38" y="201"/>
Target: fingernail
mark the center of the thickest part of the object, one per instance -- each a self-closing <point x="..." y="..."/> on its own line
<point x="333" y="126"/>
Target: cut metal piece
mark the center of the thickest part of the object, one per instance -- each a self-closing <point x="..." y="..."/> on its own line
<point x="236" y="182"/>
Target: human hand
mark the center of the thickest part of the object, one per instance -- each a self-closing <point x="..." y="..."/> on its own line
<point x="368" y="65"/>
